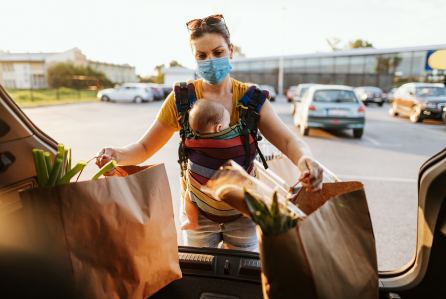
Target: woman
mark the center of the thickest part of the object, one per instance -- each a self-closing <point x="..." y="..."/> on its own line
<point x="210" y="40"/>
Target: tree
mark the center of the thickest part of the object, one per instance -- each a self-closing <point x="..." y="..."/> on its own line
<point x="174" y="63"/>
<point x="61" y="75"/>
<point x="238" y="51"/>
<point x="359" y="43"/>
<point x="334" y="42"/>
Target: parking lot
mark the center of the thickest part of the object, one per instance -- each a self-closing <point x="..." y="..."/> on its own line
<point x="386" y="159"/>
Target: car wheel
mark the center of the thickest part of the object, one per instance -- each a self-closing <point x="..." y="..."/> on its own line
<point x="304" y="131"/>
<point x="272" y="99"/>
<point x="415" y="115"/>
<point x="366" y="104"/>
<point x="357" y="133"/>
<point x="105" y="99"/>
<point x="393" y="110"/>
<point x="138" y="100"/>
<point x="380" y="104"/>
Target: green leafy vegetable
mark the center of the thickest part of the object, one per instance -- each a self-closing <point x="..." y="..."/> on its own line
<point x="55" y="172"/>
<point x="109" y="166"/>
<point x="48" y="162"/>
<point x="67" y="177"/>
<point x="274" y="220"/>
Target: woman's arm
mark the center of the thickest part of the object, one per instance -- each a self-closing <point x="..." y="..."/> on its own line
<point x="273" y="129"/>
<point x="150" y="143"/>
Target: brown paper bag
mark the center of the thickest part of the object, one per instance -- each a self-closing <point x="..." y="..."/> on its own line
<point x="332" y="253"/>
<point x="110" y="238"/>
<point x="285" y="169"/>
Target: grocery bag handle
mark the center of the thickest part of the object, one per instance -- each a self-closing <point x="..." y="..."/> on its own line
<point x="89" y="162"/>
<point x="306" y="176"/>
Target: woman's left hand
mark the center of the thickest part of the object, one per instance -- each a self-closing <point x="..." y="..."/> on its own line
<point x="308" y="165"/>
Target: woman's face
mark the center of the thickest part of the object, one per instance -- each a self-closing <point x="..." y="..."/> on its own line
<point x="211" y="46"/>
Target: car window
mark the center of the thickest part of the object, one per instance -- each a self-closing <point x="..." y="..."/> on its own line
<point x="431" y="91"/>
<point x="304" y="89"/>
<point x="373" y="89"/>
<point x="339" y="96"/>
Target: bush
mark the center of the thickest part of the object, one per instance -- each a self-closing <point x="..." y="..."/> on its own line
<point x="61" y="75"/>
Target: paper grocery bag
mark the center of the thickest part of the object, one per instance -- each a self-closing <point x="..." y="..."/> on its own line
<point x="285" y="169"/>
<point x="331" y="254"/>
<point x="114" y="237"/>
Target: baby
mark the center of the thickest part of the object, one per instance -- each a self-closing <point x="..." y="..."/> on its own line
<point x="206" y="116"/>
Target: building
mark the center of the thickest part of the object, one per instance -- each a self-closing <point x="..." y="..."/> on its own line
<point x="177" y="74"/>
<point x="358" y="67"/>
<point x="26" y="70"/>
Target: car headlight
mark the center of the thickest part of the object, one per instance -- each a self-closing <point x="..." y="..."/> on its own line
<point x="363" y="97"/>
<point x="99" y="94"/>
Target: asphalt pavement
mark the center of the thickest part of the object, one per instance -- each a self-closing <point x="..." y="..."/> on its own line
<point x="386" y="159"/>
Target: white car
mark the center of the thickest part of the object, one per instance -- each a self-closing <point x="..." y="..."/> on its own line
<point x="134" y="92"/>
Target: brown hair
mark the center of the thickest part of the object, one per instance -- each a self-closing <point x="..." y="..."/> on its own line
<point x="221" y="30"/>
<point x="205" y="113"/>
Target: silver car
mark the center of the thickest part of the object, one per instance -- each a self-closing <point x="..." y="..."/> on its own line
<point x="330" y="107"/>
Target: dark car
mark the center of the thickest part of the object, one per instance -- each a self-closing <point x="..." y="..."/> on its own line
<point x="390" y="94"/>
<point x="207" y="272"/>
<point x="370" y="94"/>
<point x="419" y="101"/>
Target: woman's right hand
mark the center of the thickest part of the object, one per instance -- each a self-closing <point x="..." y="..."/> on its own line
<point x="104" y="156"/>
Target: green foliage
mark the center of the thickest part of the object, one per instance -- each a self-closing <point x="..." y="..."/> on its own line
<point x="359" y="43"/>
<point x="273" y="221"/>
<point x="61" y="75"/>
<point x="43" y="97"/>
<point x="174" y="63"/>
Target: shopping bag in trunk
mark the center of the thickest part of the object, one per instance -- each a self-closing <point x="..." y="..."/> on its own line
<point x="107" y="238"/>
<point x="330" y="254"/>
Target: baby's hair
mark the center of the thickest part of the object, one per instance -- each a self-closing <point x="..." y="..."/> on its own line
<point x="205" y="113"/>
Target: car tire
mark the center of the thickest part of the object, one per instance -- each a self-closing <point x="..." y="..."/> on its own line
<point x="393" y="109"/>
<point x="380" y="104"/>
<point x="105" y="99"/>
<point x="138" y="100"/>
<point x="415" y="115"/>
<point x="357" y="133"/>
<point x="272" y="99"/>
<point x="366" y="104"/>
<point x="304" y="131"/>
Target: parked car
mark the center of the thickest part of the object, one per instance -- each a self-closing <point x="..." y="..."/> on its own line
<point x="136" y="92"/>
<point x="158" y="93"/>
<point x="370" y="94"/>
<point x="419" y="101"/>
<point x="390" y="94"/>
<point x="330" y="107"/>
<point x="167" y="90"/>
<point x="290" y="93"/>
<point x="299" y="92"/>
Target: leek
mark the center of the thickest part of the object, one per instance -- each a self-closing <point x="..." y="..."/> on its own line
<point x="69" y="162"/>
<point x="109" y="166"/>
<point x="60" y="153"/>
<point x="55" y="172"/>
<point x="39" y="170"/>
<point x="71" y="173"/>
<point x="48" y="162"/>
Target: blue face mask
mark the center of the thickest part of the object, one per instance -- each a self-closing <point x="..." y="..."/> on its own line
<point x="213" y="71"/>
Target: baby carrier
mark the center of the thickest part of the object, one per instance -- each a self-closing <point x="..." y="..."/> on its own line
<point x="200" y="155"/>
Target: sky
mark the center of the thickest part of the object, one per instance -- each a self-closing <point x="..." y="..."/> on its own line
<point x="149" y="33"/>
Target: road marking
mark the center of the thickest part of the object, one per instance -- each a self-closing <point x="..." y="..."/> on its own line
<point x="375" y="142"/>
<point x="373" y="178"/>
<point x="427" y="130"/>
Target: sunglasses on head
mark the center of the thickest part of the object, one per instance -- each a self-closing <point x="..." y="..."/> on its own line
<point x="213" y="20"/>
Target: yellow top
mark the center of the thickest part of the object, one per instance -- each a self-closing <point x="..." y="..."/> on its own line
<point x="168" y="114"/>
